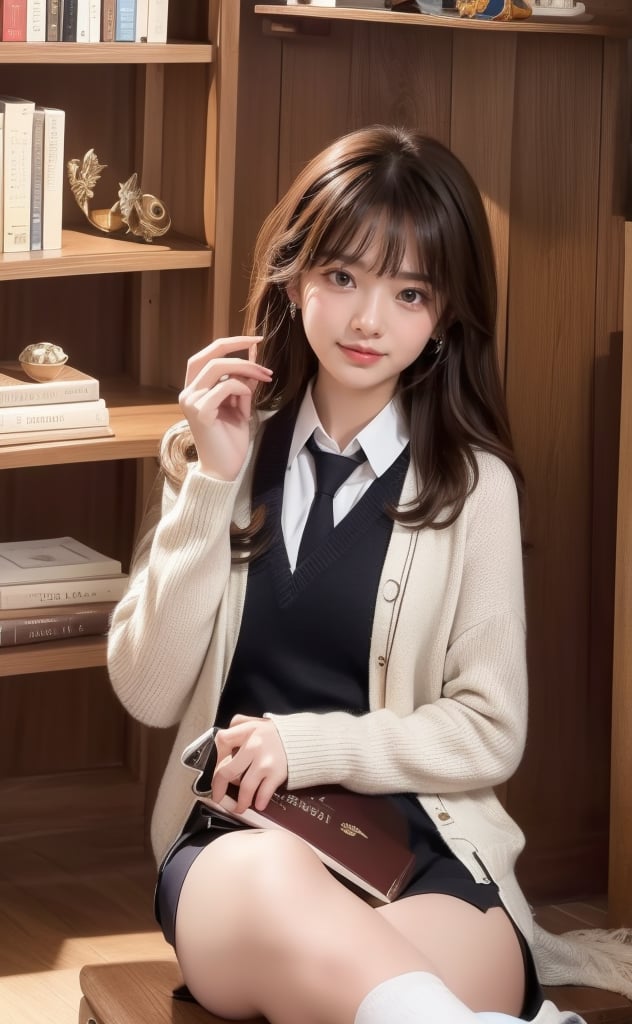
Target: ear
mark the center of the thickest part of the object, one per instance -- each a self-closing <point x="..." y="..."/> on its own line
<point x="293" y="293"/>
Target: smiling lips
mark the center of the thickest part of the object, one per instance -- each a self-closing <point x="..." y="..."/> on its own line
<point x="361" y="356"/>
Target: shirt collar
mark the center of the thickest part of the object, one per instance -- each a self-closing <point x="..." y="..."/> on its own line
<point x="382" y="440"/>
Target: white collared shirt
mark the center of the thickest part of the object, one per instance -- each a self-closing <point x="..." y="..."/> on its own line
<point x="382" y="440"/>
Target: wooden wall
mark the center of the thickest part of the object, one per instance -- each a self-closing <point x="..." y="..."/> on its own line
<point x="540" y="119"/>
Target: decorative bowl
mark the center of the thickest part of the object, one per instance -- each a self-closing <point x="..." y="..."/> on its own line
<point x="43" y="360"/>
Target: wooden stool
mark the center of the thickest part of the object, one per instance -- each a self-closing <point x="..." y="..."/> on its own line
<point x="141" y="993"/>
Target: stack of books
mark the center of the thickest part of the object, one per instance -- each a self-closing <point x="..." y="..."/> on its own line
<point x="31" y="174"/>
<point x="54" y="589"/>
<point x="67" y="408"/>
<point x="84" y="21"/>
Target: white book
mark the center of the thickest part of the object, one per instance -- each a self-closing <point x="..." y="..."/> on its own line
<point x="83" y="21"/>
<point x="95" y="21"/>
<point x="53" y="177"/>
<point x="53" y="594"/>
<point x="1" y="181"/>
<point x="36" y="21"/>
<point x="37" y="165"/>
<point x="18" y="143"/>
<point x="142" y="10"/>
<point x="51" y="559"/>
<point x="157" y="18"/>
<point x="54" y="417"/>
<point x="70" y="385"/>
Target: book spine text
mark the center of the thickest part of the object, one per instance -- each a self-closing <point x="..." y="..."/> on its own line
<point x="53" y="417"/>
<point x="48" y="595"/>
<point x="31" y="630"/>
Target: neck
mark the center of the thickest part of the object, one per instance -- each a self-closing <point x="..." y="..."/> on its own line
<point x="344" y="412"/>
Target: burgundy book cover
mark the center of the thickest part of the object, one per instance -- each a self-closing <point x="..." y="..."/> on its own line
<point x="362" y="837"/>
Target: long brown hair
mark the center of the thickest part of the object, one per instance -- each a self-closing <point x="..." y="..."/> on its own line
<point x="371" y="187"/>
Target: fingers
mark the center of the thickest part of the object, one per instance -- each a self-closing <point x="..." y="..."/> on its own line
<point x="251" y="756"/>
<point x="222" y="348"/>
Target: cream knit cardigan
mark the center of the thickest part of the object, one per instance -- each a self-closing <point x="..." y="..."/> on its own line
<point x="447" y="674"/>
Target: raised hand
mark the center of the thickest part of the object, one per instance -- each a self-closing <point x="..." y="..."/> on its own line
<point x="217" y="402"/>
<point x="250" y="754"/>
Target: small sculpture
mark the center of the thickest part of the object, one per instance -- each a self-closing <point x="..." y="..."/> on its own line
<point x="43" y="360"/>
<point x="141" y="213"/>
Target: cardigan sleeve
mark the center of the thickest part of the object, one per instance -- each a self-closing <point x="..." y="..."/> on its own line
<point x="468" y="728"/>
<point x="162" y="627"/>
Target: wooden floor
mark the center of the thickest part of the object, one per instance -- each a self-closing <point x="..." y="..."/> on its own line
<point x="63" y="906"/>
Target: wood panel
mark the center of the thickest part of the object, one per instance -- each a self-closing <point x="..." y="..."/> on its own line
<point x="620" y="880"/>
<point x="559" y="795"/>
<point x="491" y="64"/>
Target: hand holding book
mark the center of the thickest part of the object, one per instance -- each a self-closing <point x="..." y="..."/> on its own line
<point x="361" y="838"/>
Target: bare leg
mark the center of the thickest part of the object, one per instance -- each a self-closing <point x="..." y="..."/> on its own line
<point x="476" y="954"/>
<point x="263" y="928"/>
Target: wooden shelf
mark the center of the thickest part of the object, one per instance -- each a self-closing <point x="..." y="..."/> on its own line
<point x="59" y="655"/>
<point x="106" y="53"/>
<point x="564" y="25"/>
<point x="139" y="417"/>
<point x="88" y="252"/>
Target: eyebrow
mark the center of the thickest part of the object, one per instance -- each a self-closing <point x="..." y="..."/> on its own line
<point x="404" y="275"/>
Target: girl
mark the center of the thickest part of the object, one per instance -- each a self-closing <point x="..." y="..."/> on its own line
<point x="385" y="653"/>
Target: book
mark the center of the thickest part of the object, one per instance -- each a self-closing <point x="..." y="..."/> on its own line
<point x="58" y="593"/>
<point x="54" y="13"/>
<point x="362" y="838"/>
<point x="16" y="193"/>
<point x="94" y="21"/>
<point x="53" y="417"/>
<point x="142" y="7"/>
<point x="83" y="21"/>
<point x="13" y="24"/>
<point x="56" y="437"/>
<point x="69" y="21"/>
<point x="18" y="627"/>
<point x="37" y="161"/>
<point x="71" y="385"/>
<point x="157" y="18"/>
<point x="108" y="16"/>
<point x="52" y="559"/>
<point x="125" y="21"/>
<point x="36" y="21"/>
<point x="53" y="176"/>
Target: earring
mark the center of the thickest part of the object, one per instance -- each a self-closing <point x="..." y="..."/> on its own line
<point x="293" y="308"/>
<point x="438" y="345"/>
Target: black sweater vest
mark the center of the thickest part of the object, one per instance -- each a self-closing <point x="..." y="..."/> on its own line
<point x="305" y="636"/>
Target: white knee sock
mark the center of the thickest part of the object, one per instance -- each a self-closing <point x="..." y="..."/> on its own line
<point x="414" y="998"/>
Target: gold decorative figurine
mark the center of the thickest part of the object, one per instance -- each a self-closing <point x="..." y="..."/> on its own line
<point x="141" y="213"/>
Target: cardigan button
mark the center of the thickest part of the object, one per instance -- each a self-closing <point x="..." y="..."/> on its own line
<point x="444" y="816"/>
<point x="381" y="661"/>
<point x="391" y="590"/>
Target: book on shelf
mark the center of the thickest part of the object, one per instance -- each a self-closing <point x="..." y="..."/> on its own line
<point x="52" y="559"/>
<point x="142" y="10"/>
<point x="69" y="21"/>
<point x="125" y="21"/>
<point x="71" y="385"/>
<point x="157" y="19"/>
<point x="363" y="838"/>
<point x="38" y="437"/>
<point x="37" y="164"/>
<point x="19" y="627"/>
<point x="16" y="193"/>
<point x="83" y="21"/>
<point x="36" y="21"/>
<point x="13" y="21"/>
<point x="56" y="593"/>
<point x="29" y="418"/>
<point x="94" y="21"/>
<point x="53" y="175"/>
<point x="108" y="17"/>
<point x="54" y="11"/>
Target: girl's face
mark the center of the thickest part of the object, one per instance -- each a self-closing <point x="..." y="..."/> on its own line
<point x="365" y="328"/>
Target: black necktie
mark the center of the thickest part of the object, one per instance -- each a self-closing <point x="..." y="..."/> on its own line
<point x="331" y="472"/>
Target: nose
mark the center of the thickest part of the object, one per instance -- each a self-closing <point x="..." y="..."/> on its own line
<point x="367" y="318"/>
